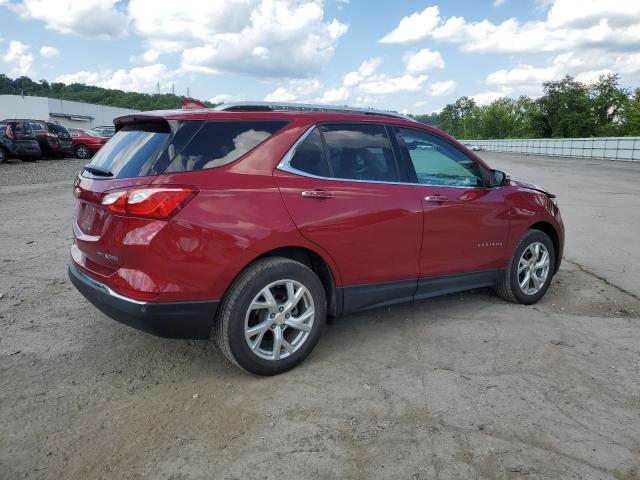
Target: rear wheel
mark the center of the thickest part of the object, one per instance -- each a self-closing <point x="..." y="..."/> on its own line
<point x="3" y="155"/>
<point x="531" y="269"/>
<point x="82" y="151"/>
<point x="272" y="316"/>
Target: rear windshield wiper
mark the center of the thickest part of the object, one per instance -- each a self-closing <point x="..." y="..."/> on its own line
<point x="98" y="171"/>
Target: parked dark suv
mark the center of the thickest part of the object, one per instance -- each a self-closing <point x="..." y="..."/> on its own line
<point x="256" y="221"/>
<point x="54" y="139"/>
<point x="18" y="141"/>
<point x="67" y="148"/>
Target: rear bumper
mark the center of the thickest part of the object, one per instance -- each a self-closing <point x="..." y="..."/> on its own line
<point x="170" y="320"/>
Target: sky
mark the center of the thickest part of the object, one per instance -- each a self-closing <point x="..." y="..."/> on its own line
<point x="405" y="55"/>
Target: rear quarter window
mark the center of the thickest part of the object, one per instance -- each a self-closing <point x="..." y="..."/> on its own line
<point x="218" y="143"/>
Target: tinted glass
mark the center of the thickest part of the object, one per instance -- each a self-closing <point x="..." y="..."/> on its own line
<point x="437" y="162"/>
<point x="132" y="151"/>
<point x="37" y="127"/>
<point x="309" y="156"/>
<point x="22" y="129"/>
<point x="219" y="143"/>
<point x="57" y="128"/>
<point x="360" y="152"/>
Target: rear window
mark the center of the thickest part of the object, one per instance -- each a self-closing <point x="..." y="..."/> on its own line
<point x="153" y="148"/>
<point x="57" y="128"/>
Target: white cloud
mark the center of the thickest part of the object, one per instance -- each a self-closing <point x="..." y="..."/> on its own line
<point x="139" y="79"/>
<point x="628" y="63"/>
<point x="366" y="69"/>
<point x="149" y="56"/>
<point x="486" y="98"/>
<point x="334" y="95"/>
<point x="414" y="27"/>
<point x="498" y="3"/>
<point x="522" y="75"/>
<point x="570" y="24"/>
<point x="367" y="81"/>
<point x="49" y="52"/>
<point x="19" y="58"/>
<point x="424" y="61"/>
<point x="384" y="84"/>
<point x="273" y="38"/>
<point x="90" y="18"/>
<point x="592" y="76"/>
<point x="295" y="90"/>
<point x="281" y="94"/>
<point x="441" y="89"/>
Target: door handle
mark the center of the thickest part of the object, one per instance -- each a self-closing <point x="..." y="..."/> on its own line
<point x="436" y="198"/>
<point x="320" y="194"/>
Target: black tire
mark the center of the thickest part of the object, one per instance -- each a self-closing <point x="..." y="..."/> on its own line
<point x="230" y="325"/>
<point x="3" y="155"/>
<point x="29" y="159"/>
<point x="82" y="152"/>
<point x="509" y="288"/>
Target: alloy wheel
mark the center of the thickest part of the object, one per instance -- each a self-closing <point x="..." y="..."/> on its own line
<point x="279" y="319"/>
<point x="533" y="268"/>
<point x="82" y="152"/>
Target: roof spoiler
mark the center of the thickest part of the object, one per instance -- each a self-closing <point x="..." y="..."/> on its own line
<point x="189" y="103"/>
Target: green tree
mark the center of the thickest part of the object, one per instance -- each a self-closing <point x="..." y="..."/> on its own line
<point x="565" y="109"/>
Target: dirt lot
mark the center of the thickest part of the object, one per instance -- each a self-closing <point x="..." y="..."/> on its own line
<point x="465" y="386"/>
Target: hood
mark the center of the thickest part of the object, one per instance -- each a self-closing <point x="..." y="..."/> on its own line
<point x="532" y="186"/>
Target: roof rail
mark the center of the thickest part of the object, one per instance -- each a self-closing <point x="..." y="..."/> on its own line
<point x="302" y="107"/>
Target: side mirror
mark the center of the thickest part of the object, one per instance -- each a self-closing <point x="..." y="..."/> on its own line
<point x="499" y="178"/>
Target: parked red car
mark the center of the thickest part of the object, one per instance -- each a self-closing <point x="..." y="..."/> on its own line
<point x="256" y="221"/>
<point x="86" y="142"/>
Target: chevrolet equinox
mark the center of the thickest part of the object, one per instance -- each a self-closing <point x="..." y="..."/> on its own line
<point x="256" y="221"/>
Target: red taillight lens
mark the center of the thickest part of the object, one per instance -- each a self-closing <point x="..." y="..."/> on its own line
<point x="9" y="132"/>
<point x="160" y="203"/>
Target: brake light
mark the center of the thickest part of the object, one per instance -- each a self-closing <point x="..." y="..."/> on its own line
<point x="160" y="203"/>
<point x="9" y="132"/>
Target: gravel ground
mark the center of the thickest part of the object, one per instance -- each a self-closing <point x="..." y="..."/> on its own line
<point x="464" y="386"/>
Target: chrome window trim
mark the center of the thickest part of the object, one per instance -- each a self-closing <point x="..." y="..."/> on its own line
<point x="285" y="166"/>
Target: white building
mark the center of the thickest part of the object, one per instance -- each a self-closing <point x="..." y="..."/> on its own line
<point x="67" y="113"/>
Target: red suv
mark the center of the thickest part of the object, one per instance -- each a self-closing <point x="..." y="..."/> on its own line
<point x="256" y="221"/>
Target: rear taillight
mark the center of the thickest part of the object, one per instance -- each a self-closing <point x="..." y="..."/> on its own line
<point x="9" y="132"/>
<point x="160" y="203"/>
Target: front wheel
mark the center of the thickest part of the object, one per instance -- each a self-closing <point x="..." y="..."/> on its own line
<point x="272" y="316"/>
<point x="532" y="266"/>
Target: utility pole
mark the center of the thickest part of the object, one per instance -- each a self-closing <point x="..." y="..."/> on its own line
<point x="173" y="88"/>
<point x="158" y="88"/>
<point x="188" y="92"/>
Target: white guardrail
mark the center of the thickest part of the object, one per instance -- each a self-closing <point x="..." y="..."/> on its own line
<point x="607" y="148"/>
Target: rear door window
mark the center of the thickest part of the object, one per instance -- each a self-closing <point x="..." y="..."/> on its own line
<point x="309" y="156"/>
<point x="360" y="152"/>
